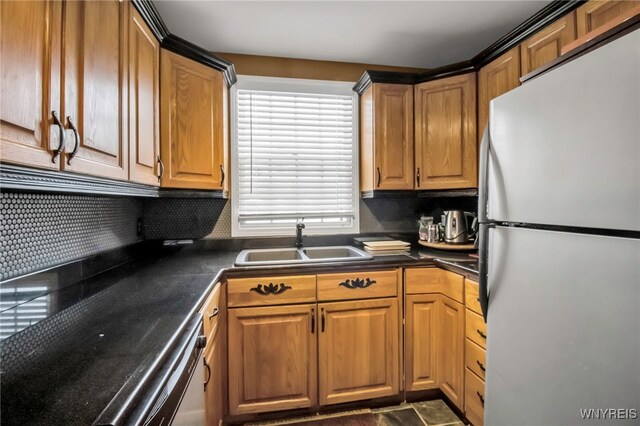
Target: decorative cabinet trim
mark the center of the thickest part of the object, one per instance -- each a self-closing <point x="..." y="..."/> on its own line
<point x="357" y="283"/>
<point x="270" y="288"/>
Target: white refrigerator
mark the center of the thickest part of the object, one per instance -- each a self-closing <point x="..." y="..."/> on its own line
<point x="559" y="210"/>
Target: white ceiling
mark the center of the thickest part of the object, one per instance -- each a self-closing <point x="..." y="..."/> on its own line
<point x="422" y="34"/>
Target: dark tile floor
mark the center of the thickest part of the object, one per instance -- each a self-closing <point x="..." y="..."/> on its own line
<point x="427" y="413"/>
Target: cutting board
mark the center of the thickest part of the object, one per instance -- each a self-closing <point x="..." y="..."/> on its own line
<point x="386" y="245"/>
<point x="445" y="246"/>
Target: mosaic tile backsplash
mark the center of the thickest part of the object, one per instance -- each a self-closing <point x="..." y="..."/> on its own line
<point x="38" y="231"/>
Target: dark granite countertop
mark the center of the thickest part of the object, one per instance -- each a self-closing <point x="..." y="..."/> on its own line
<point x="99" y="336"/>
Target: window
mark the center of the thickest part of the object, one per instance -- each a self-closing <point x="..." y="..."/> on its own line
<point x="294" y="156"/>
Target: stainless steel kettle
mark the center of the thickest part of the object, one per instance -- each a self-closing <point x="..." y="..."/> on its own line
<point x="456" y="227"/>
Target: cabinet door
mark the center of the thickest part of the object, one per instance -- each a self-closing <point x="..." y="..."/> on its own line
<point x="445" y="126"/>
<point x="191" y="125"/>
<point x="272" y="358"/>
<point x="421" y="341"/>
<point x="214" y="381"/>
<point x="30" y="82"/>
<point x="596" y="13"/>
<point x="494" y="79"/>
<point x="358" y="350"/>
<point x="144" y="101"/>
<point x="452" y="350"/>
<point x="393" y="136"/>
<point x="94" y="51"/>
<point x="545" y="45"/>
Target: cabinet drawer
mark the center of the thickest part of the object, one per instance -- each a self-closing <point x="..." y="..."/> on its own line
<point x="476" y="329"/>
<point x="475" y="358"/>
<point x="211" y="311"/>
<point x="264" y="291"/>
<point x="472" y="296"/>
<point x="474" y="398"/>
<point x="434" y="280"/>
<point x="358" y="285"/>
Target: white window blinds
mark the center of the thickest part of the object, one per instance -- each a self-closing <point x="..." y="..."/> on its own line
<point x="295" y="159"/>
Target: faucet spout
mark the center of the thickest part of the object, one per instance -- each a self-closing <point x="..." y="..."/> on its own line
<point x="299" y="228"/>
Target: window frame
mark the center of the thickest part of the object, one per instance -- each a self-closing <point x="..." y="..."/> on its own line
<point x="246" y="82"/>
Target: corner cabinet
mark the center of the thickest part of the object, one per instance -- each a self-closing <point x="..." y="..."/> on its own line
<point x="192" y="135"/>
<point x="596" y="13"/>
<point x="445" y="132"/>
<point x="386" y="137"/>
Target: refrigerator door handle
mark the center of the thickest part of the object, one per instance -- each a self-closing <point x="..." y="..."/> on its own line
<point x="483" y="174"/>
<point x="483" y="266"/>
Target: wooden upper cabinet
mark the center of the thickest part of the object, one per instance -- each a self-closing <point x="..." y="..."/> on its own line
<point x="386" y="135"/>
<point x="95" y="87"/>
<point x="30" y="82"/>
<point x="596" y="13"/>
<point x="445" y="129"/>
<point x="358" y="350"/>
<point x="192" y="134"/>
<point x="499" y="76"/>
<point x="272" y="358"/>
<point x="546" y="45"/>
<point x="144" y="102"/>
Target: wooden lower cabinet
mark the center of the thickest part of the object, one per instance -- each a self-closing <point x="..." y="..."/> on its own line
<point x="272" y="358"/>
<point x="214" y="380"/>
<point x="358" y="350"/>
<point x="474" y="399"/>
<point x="421" y="341"/>
<point x="452" y="350"/>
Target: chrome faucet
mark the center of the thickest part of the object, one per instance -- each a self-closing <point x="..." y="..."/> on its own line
<point x="299" y="228"/>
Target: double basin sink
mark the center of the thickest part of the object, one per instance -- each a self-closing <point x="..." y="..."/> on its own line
<point x="288" y="256"/>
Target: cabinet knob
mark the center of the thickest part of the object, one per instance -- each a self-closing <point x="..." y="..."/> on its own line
<point x="379" y="176"/>
<point x="160" y="168"/>
<point x="77" y="138"/>
<point x="484" y="336"/>
<point x="214" y="313"/>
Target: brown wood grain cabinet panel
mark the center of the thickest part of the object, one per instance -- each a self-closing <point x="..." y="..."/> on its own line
<point x="475" y="358"/>
<point x="472" y="296"/>
<point x="343" y="286"/>
<point x="272" y="358"/>
<point x="475" y="328"/>
<point x="215" y="358"/>
<point x="546" y="45"/>
<point x="452" y="350"/>
<point x="494" y="79"/>
<point x="422" y="313"/>
<point x="192" y="123"/>
<point x="95" y="75"/>
<point x="474" y="398"/>
<point x="445" y="133"/>
<point x="144" y="101"/>
<point x="367" y="163"/>
<point x="278" y="290"/>
<point x="596" y="13"/>
<point x="30" y="34"/>
<point x="434" y="280"/>
<point x="358" y="350"/>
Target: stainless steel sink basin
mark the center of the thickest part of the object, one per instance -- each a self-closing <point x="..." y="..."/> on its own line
<point x="287" y="256"/>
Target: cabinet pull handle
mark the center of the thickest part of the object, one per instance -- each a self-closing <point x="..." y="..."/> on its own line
<point x="208" y="373"/>
<point x="214" y="313"/>
<point x="379" y="176"/>
<point x="481" y="366"/>
<point x="322" y="319"/>
<point x="161" y="168"/>
<point x="77" y="137"/>
<point x="60" y="149"/>
<point x="223" y="175"/>
<point x="484" y="336"/>
<point x="418" y="177"/>
<point x="481" y="398"/>
<point x="357" y="283"/>
<point x="270" y="289"/>
<point x="313" y="320"/>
